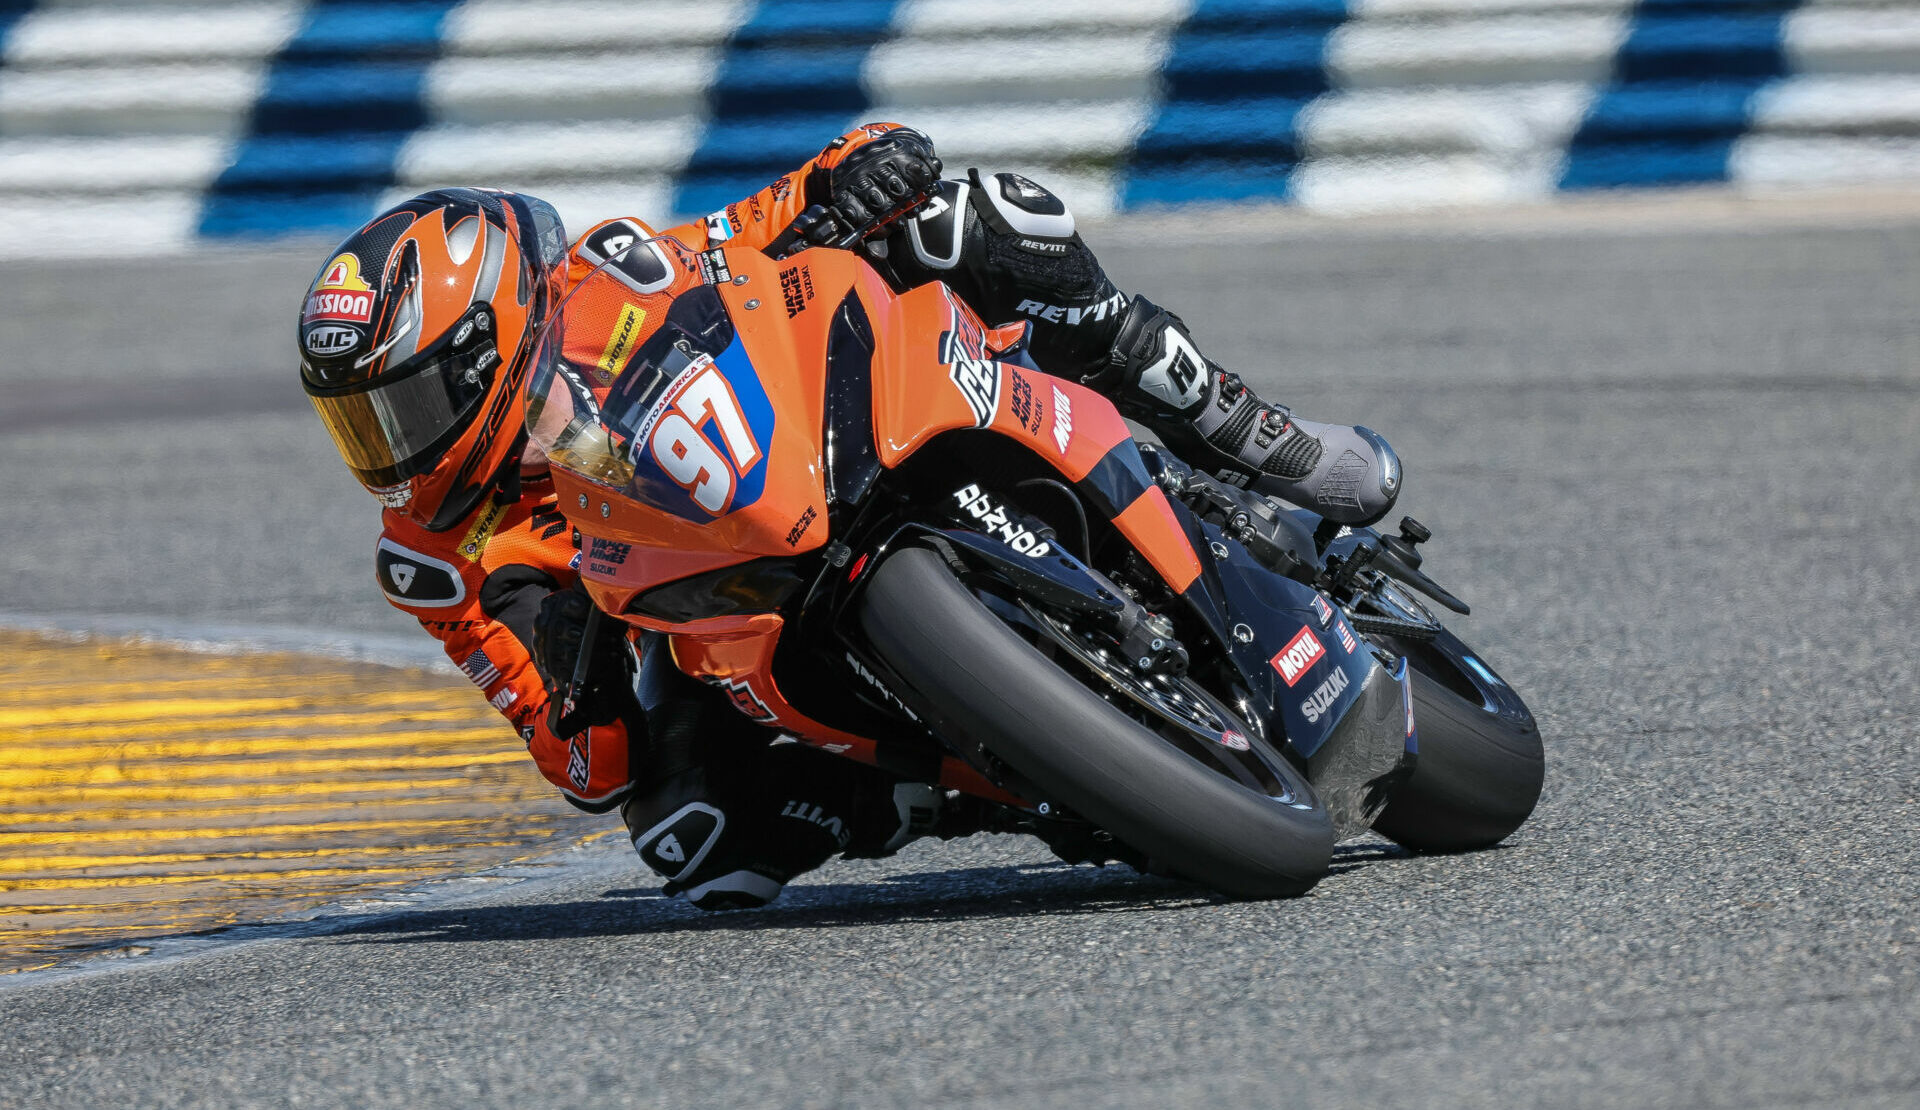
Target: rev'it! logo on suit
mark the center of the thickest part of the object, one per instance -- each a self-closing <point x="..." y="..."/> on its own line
<point x="419" y="581"/>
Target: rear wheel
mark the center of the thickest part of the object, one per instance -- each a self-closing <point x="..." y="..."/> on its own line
<point x="1119" y="750"/>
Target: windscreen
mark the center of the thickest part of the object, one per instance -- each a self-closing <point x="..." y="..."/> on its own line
<point x="591" y="407"/>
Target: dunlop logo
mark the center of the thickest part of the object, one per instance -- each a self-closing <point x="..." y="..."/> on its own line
<point x="620" y="347"/>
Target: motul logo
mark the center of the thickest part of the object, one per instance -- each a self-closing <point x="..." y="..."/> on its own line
<point x="1301" y="652"/>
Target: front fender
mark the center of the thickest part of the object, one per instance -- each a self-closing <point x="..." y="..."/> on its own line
<point x="1052" y="577"/>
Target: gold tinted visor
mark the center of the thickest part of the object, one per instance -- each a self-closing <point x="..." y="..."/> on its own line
<point x="398" y="428"/>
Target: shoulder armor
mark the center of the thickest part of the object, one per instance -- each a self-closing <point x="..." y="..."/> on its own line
<point x="644" y="269"/>
<point x="1015" y="204"/>
<point x="416" y="581"/>
<point x="936" y="233"/>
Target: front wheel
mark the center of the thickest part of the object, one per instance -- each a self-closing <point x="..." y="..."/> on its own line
<point x="970" y="675"/>
<point x="1480" y="764"/>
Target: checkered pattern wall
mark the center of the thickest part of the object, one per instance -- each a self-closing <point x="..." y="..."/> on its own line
<point x="152" y="125"/>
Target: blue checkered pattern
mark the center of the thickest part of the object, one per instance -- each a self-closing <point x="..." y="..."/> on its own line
<point x="166" y="124"/>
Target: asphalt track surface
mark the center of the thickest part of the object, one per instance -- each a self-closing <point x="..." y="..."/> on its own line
<point x="1674" y="470"/>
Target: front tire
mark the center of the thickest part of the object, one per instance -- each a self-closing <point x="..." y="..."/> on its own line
<point x="1477" y="776"/>
<point x="970" y="675"/>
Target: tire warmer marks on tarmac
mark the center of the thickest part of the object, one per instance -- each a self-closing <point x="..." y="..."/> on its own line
<point x="148" y="791"/>
<point x="341" y="98"/>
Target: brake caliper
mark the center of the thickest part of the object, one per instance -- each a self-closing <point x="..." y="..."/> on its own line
<point x="1146" y="640"/>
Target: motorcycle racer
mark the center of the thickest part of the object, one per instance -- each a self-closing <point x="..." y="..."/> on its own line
<point x="416" y="338"/>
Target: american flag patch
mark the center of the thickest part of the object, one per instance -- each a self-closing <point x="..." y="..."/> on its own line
<point x="1346" y="637"/>
<point x="481" y="669"/>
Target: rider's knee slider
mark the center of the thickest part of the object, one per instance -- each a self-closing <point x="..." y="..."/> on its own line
<point x="745" y="889"/>
<point x="679" y="843"/>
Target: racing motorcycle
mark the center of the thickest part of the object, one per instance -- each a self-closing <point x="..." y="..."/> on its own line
<point x="875" y="524"/>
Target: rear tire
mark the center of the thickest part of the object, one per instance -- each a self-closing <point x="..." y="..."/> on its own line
<point x="970" y="675"/>
<point x="1476" y="778"/>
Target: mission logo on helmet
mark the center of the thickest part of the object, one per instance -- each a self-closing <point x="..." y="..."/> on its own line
<point x="340" y="294"/>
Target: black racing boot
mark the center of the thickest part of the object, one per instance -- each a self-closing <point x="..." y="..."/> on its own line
<point x="1211" y="420"/>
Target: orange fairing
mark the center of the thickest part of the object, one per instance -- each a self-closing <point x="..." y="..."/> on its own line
<point x="681" y="398"/>
<point x="759" y="498"/>
<point x="923" y="389"/>
<point x="741" y="664"/>
<point x="1149" y="522"/>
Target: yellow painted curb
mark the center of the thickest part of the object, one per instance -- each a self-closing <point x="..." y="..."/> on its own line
<point x="147" y="791"/>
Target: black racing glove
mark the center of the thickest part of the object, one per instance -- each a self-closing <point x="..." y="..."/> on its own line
<point x="559" y="632"/>
<point x="873" y="185"/>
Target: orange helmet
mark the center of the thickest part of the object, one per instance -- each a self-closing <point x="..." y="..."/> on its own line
<point x="415" y="339"/>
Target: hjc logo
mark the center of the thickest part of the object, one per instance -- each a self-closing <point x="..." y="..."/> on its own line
<point x="331" y="340"/>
